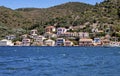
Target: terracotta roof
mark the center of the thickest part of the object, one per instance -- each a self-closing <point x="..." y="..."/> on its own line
<point x="85" y="40"/>
<point x="50" y="27"/>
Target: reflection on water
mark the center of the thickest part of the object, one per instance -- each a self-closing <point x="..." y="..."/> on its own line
<point x="59" y="61"/>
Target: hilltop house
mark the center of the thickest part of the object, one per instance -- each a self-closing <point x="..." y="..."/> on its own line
<point x="50" y="29"/>
<point x="10" y="37"/>
<point x="61" y="30"/>
<point x="33" y="34"/>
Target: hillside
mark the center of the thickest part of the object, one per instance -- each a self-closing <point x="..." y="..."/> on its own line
<point x="106" y="14"/>
<point x="30" y="18"/>
<point x="49" y="16"/>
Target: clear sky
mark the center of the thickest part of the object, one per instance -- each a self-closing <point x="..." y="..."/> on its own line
<point x="14" y="4"/>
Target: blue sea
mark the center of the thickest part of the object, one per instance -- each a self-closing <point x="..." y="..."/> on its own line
<point x="59" y="61"/>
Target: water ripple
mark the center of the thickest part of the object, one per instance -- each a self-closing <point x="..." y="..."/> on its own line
<point x="59" y="61"/>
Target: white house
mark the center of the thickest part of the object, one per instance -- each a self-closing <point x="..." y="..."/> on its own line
<point x="26" y="42"/>
<point x="39" y="38"/>
<point x="97" y="42"/>
<point x="60" y="41"/>
<point x="49" y="42"/>
<point x="50" y="29"/>
<point x="68" y="43"/>
<point x="83" y="34"/>
<point x="61" y="30"/>
<point x="6" y="42"/>
<point x="10" y="37"/>
<point x="33" y="32"/>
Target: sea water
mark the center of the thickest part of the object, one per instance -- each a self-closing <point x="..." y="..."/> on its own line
<point x="59" y="61"/>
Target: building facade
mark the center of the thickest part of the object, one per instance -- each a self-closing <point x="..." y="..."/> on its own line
<point x="61" y="30"/>
<point x="60" y="41"/>
<point x="49" y="42"/>
<point x="50" y="29"/>
<point x="85" y="42"/>
<point x="26" y="42"/>
<point x="6" y="42"/>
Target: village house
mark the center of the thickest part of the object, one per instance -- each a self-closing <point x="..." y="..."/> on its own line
<point x="66" y="34"/>
<point x="68" y="43"/>
<point x="97" y="42"/>
<point x="18" y="43"/>
<point x="6" y="42"/>
<point x="83" y="35"/>
<point x="39" y="40"/>
<point x="37" y="44"/>
<point x="61" y="30"/>
<point x="50" y="35"/>
<point x="75" y="34"/>
<point x="105" y="41"/>
<point x="85" y="42"/>
<point x="10" y="37"/>
<point x="26" y="42"/>
<point x="69" y="34"/>
<point x="33" y="34"/>
<point x="60" y="41"/>
<point x="50" y="29"/>
<point x="49" y="42"/>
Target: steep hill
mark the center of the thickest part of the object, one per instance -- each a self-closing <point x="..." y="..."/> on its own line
<point x="61" y="11"/>
<point x="30" y="18"/>
<point x="106" y="14"/>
